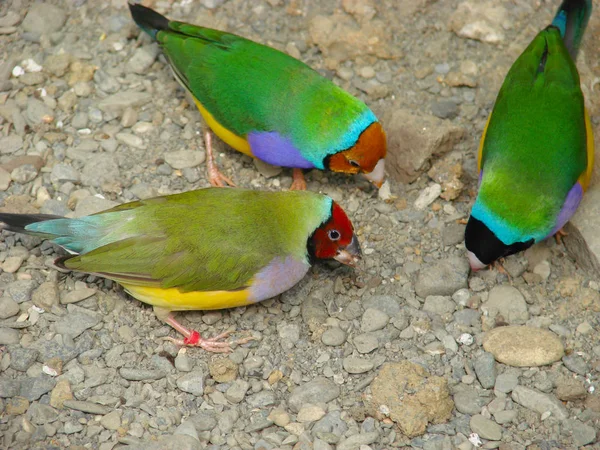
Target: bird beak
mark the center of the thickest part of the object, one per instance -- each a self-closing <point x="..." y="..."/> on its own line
<point x="351" y="254"/>
<point x="474" y="262"/>
<point x="377" y="176"/>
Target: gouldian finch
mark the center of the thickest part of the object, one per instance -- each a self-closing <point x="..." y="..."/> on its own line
<point x="205" y="249"/>
<point x="537" y="150"/>
<point x="267" y="104"/>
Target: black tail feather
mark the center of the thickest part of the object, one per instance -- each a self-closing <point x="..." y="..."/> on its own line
<point x="148" y="20"/>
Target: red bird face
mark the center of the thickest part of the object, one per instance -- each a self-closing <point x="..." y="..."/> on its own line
<point x="335" y="239"/>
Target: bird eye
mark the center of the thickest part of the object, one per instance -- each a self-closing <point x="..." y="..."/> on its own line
<point x="334" y="235"/>
<point x="354" y="163"/>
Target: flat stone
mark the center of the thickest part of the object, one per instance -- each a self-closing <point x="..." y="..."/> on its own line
<point x="9" y="336"/>
<point x="539" y="402"/>
<point x="184" y="159"/>
<point x="44" y="18"/>
<point x="356" y="365"/>
<point x="118" y="102"/>
<point x="111" y="421"/>
<point x="141" y="374"/>
<point x="319" y="390"/>
<point x="9" y="387"/>
<point x="33" y="388"/>
<point x="365" y="342"/>
<point x="506" y="382"/>
<point x="8" y="307"/>
<point x="86" y="407"/>
<point x="76" y="323"/>
<point x="506" y="416"/>
<point x="442" y="277"/>
<point x="485" y="369"/>
<point x="310" y="413"/>
<point x="373" y="320"/>
<point x="468" y="401"/>
<point x="486" y="428"/>
<point x="521" y="346"/>
<point x="192" y="383"/>
<point x="582" y="434"/>
<point x="481" y="21"/>
<point x="576" y="363"/>
<point x="333" y="337"/>
<point x="570" y="389"/>
<point x="21" y="358"/>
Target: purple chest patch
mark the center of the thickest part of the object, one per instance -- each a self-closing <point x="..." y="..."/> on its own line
<point x="272" y="148"/>
<point x="279" y="276"/>
<point x="569" y="207"/>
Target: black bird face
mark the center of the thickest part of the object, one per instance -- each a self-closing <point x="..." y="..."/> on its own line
<point x="484" y="247"/>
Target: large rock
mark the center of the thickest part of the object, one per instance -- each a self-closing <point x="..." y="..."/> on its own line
<point x="44" y="18"/>
<point x="481" y="21"/>
<point x="519" y="346"/>
<point x="413" y="140"/>
<point x="407" y="394"/>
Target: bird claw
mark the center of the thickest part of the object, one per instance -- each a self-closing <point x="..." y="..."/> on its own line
<point x="212" y="344"/>
<point x="217" y="179"/>
<point x="298" y="181"/>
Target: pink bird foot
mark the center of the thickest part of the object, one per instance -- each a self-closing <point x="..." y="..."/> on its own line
<point x="215" y="177"/>
<point x="298" y="181"/>
<point x="559" y="235"/>
<point x="193" y="339"/>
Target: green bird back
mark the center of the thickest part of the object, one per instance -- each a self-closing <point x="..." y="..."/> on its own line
<point x="534" y="149"/>
<point x="204" y="240"/>
<point x="248" y="87"/>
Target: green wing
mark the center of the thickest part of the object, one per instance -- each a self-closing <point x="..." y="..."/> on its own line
<point x="535" y="143"/>
<point x="206" y="240"/>
<point x="250" y="87"/>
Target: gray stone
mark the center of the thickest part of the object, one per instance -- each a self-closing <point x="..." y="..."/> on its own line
<point x="444" y="109"/>
<point x="468" y="401"/>
<point x="333" y="336"/>
<point x="442" y="277"/>
<point x="37" y="111"/>
<point x="582" y="434"/>
<point x="24" y="173"/>
<point x="365" y="342"/>
<point x="262" y="399"/>
<point x="438" y="304"/>
<point x="9" y="336"/>
<point x="44" y="18"/>
<point x="76" y="323"/>
<point x="111" y="421"/>
<point x="52" y="349"/>
<point x="485" y="369"/>
<point x="509" y="303"/>
<point x="42" y="414"/>
<point x="355" y="365"/>
<point x="192" y="383"/>
<point x="72" y="427"/>
<point x="373" y="320"/>
<point x="389" y="304"/>
<point x="358" y="440"/>
<point x="141" y="374"/>
<point x="505" y="416"/>
<point x="486" y="428"/>
<point x="55" y="207"/>
<point x="8" y="387"/>
<point x="91" y="205"/>
<point x="109" y="84"/>
<point x="319" y="390"/>
<point x="8" y="307"/>
<point x="21" y="290"/>
<point x="576" y="363"/>
<point x="21" y="358"/>
<point x="116" y="103"/>
<point x="62" y="172"/>
<point x="539" y="402"/>
<point x="506" y="382"/>
<point x="11" y="143"/>
<point x="86" y="407"/>
<point x="142" y="58"/>
<point x="185" y="158"/>
<point x="34" y="387"/>
<point x="453" y="234"/>
<point x="172" y="442"/>
<point x="99" y="169"/>
<point x="237" y="391"/>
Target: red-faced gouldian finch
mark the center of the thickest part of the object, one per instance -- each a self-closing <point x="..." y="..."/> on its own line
<point x="205" y="249"/>
<point x="537" y="151"/>
<point x="266" y="104"/>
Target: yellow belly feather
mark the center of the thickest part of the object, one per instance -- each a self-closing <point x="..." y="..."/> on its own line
<point x="174" y="300"/>
<point x="232" y="139"/>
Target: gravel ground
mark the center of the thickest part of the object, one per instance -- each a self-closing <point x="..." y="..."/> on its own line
<point x="410" y="351"/>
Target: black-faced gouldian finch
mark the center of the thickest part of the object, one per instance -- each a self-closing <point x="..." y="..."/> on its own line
<point x="206" y="249"/>
<point x="537" y="151"/>
<point x="266" y="104"/>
